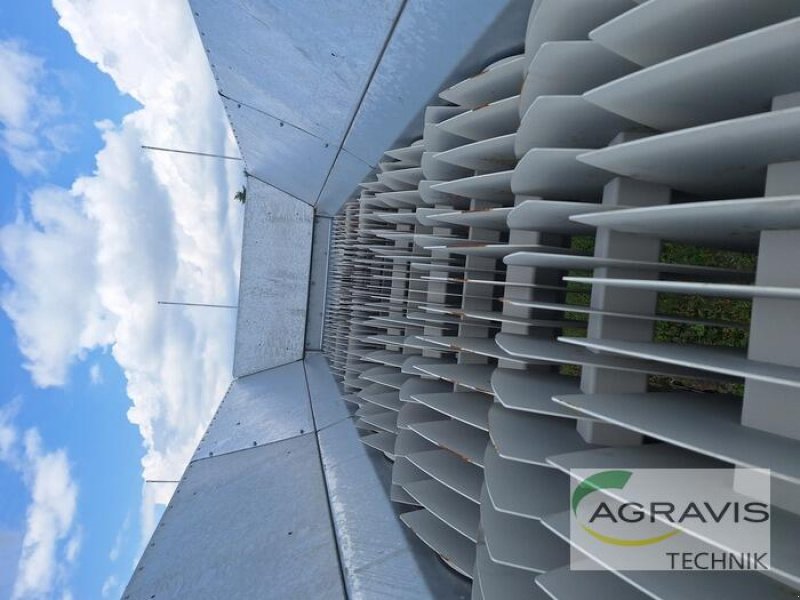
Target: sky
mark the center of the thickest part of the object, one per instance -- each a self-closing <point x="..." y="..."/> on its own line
<point x="100" y="387"/>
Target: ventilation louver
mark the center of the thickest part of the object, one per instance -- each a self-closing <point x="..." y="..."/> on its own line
<point x="588" y="259"/>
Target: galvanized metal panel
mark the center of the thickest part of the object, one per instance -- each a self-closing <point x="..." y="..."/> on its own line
<point x="318" y="282"/>
<point x="379" y="559"/>
<point x="326" y="399"/>
<point x="347" y="172"/>
<point x="259" y="409"/>
<point x="273" y="288"/>
<point x="231" y="530"/>
<point x="463" y="41"/>
<point x="279" y="153"/>
<point x="305" y="64"/>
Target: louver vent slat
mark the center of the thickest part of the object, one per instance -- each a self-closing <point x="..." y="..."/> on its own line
<point x="745" y="72"/>
<point x="499" y="581"/>
<point x="706" y="425"/>
<point x="520" y="543"/>
<point x="452" y="471"/>
<point x="453" y="509"/>
<point x="564" y="583"/>
<point x="455" y="549"/>
<point x="684" y="585"/>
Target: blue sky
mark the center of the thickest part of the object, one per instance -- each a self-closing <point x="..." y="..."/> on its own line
<point x="102" y="389"/>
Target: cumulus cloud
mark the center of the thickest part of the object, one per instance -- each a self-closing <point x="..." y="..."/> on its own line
<point x="89" y="263"/>
<point x="50" y="258"/>
<point x="34" y="132"/>
<point x="52" y="539"/>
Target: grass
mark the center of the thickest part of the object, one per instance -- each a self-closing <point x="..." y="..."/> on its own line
<point x="722" y="310"/>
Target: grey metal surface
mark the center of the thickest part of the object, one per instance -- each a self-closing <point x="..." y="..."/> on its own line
<point x="347" y="171"/>
<point x="297" y="73"/>
<point x="326" y="400"/>
<point x="284" y="161"/>
<point x="240" y="525"/>
<point x="521" y="543"/>
<point x="318" y="282"/>
<point x="463" y="40"/>
<point x="259" y="409"/>
<point x="566" y="583"/>
<point x="379" y="557"/>
<point x="745" y="71"/>
<point x="686" y="585"/>
<point x="323" y="75"/>
<point x="273" y="287"/>
<point x="735" y="224"/>
<point x="646" y="35"/>
<point x="707" y="425"/>
<point x="725" y="159"/>
<point x="727" y="361"/>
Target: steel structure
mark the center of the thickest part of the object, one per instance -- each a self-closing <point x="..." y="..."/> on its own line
<point x="565" y="208"/>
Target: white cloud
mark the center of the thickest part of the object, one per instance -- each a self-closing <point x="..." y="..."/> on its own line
<point x="52" y="539"/>
<point x="8" y="432"/>
<point x="33" y="133"/>
<point x="89" y="263"/>
<point x="110" y="585"/>
<point x="52" y="303"/>
<point x="95" y="374"/>
<point x="119" y="540"/>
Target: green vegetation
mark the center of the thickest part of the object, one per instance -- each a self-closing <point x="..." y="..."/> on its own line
<point x="241" y="195"/>
<point x="728" y="318"/>
<point x="723" y="310"/>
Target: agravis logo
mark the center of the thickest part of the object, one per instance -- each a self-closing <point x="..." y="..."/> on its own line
<point x="610" y="480"/>
<point x="670" y="519"/>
